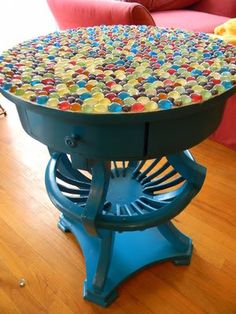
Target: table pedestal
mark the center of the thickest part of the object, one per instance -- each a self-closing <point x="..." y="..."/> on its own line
<point x="114" y="258"/>
<point x="121" y="215"/>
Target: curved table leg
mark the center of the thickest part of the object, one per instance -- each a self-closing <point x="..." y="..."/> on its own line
<point x="97" y="252"/>
<point x="179" y="241"/>
<point x="97" y="195"/>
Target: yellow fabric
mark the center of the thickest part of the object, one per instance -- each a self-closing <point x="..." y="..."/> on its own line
<point x="227" y="31"/>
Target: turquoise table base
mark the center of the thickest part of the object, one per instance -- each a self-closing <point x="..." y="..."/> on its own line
<point x="131" y="252"/>
<point x="120" y="214"/>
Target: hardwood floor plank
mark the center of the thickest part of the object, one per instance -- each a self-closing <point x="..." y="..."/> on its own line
<point x="159" y="296"/>
<point x="209" y="289"/>
<point x="21" y="297"/>
<point x="7" y="305"/>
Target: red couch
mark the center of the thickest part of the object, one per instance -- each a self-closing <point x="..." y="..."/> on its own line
<point x="200" y="16"/>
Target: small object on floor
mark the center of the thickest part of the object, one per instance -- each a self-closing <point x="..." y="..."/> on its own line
<point x="2" y="111"/>
<point x="22" y="282"/>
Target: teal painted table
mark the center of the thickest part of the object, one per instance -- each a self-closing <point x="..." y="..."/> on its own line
<point x="120" y="208"/>
<point x="117" y="178"/>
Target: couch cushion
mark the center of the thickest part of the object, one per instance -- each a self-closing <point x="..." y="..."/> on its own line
<point x="218" y="7"/>
<point x="157" y="5"/>
<point x="161" y="5"/>
<point x="189" y="20"/>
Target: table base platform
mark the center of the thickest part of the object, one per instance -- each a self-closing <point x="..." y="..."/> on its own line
<point x="128" y="252"/>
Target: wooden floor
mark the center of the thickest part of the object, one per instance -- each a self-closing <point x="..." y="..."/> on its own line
<point x="32" y="247"/>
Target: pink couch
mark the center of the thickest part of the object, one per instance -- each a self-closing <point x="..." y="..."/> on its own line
<point x="201" y="16"/>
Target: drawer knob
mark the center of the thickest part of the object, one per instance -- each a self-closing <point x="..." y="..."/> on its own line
<point x="71" y="140"/>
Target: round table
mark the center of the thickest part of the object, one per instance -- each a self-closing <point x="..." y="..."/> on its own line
<point x="118" y="177"/>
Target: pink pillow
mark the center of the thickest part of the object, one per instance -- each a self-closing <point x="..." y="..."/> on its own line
<point x="162" y="5"/>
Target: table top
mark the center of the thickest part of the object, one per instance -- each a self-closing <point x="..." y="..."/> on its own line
<point x="118" y="69"/>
